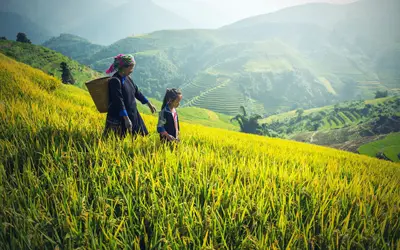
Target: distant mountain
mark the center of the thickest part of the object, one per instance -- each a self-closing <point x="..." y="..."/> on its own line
<point x="134" y="17"/>
<point x="11" y="24"/>
<point x="100" y="21"/>
<point x="202" y="14"/>
<point x="370" y="19"/>
<point x="73" y="46"/>
<point x="57" y="16"/>
<point x="215" y="14"/>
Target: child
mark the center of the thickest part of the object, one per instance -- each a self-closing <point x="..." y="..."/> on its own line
<point x="168" y="121"/>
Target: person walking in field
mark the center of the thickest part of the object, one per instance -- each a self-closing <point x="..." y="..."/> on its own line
<point x="168" y="121"/>
<point x="123" y="116"/>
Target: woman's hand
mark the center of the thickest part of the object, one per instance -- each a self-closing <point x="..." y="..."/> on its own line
<point x="128" y="123"/>
<point x="151" y="107"/>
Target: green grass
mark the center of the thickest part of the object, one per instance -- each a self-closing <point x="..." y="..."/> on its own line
<point x="390" y="146"/>
<point x="47" y="60"/>
<point x="380" y="100"/>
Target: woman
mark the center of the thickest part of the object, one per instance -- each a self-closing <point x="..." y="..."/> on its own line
<point x="123" y="116"/>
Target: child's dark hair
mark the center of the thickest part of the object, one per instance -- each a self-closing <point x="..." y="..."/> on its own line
<point x="171" y="94"/>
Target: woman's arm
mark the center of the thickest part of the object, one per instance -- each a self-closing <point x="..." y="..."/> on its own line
<point x="138" y="94"/>
<point x="142" y="98"/>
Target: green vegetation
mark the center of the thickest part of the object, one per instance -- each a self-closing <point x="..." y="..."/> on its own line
<point x="73" y="46"/>
<point x="248" y="123"/>
<point x="344" y="126"/>
<point x="47" y="60"/>
<point x="22" y="38"/>
<point x="63" y="187"/>
<point x="66" y="75"/>
<point x="333" y="117"/>
<point x="390" y="146"/>
<point x="381" y="94"/>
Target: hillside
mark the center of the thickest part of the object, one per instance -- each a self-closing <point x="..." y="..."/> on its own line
<point x="47" y="60"/>
<point x="345" y="126"/>
<point x="339" y="115"/>
<point x="73" y="46"/>
<point x="269" y="65"/>
<point x="11" y="24"/>
<point x="389" y="145"/>
<point x="206" y="64"/>
<point x="64" y="187"/>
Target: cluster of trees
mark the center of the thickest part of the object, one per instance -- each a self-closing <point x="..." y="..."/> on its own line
<point x="21" y="37"/>
<point x="250" y="124"/>
<point x="381" y="94"/>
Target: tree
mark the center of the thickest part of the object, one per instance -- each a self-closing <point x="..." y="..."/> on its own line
<point x="3" y="38"/>
<point x="336" y="108"/>
<point x="66" y="75"/>
<point x="316" y="125"/>
<point x="382" y="156"/>
<point x="300" y="112"/>
<point x="21" y="37"/>
<point x="317" y="117"/>
<point x="248" y="124"/>
<point x="381" y="94"/>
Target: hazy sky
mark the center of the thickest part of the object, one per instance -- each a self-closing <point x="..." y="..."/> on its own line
<point x="221" y="12"/>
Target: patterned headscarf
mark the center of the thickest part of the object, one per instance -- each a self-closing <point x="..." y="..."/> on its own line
<point x="121" y="61"/>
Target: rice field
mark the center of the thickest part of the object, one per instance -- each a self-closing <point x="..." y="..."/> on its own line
<point x="64" y="187"/>
<point x="216" y="94"/>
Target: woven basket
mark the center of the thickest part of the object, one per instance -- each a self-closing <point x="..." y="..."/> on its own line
<point x="98" y="89"/>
